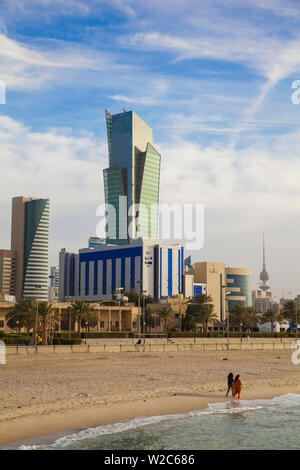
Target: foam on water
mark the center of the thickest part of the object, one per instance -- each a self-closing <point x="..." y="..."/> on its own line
<point x="232" y="407"/>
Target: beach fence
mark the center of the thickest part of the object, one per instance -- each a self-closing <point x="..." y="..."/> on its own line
<point x="148" y="347"/>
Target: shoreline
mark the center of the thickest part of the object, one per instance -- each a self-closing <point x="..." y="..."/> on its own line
<point x="45" y="429"/>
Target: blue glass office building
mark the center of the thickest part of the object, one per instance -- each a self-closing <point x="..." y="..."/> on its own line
<point x="98" y="272"/>
<point x="131" y="182"/>
<point x="239" y="283"/>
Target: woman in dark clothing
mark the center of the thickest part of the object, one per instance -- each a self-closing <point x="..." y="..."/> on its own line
<point x="230" y="382"/>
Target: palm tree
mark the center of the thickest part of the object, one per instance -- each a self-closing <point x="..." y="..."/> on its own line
<point x="23" y="312"/>
<point x="201" y="309"/>
<point x="289" y="311"/>
<point x="149" y="318"/>
<point x="251" y="317"/>
<point x="90" y="317"/>
<point x="270" y="316"/>
<point x="208" y="315"/>
<point x="81" y="310"/>
<point x="47" y="314"/>
<point x="165" y="313"/>
<point x="238" y="316"/>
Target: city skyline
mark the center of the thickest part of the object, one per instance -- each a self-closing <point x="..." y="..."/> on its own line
<point x="216" y="87"/>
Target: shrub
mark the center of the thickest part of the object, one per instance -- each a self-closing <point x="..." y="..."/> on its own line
<point x="105" y="334"/>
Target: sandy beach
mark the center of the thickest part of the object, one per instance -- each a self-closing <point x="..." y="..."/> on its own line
<point x="46" y="394"/>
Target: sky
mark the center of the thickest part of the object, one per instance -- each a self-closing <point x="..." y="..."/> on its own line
<point x="213" y="79"/>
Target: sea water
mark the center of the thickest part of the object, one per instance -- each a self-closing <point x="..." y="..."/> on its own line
<point x="244" y="424"/>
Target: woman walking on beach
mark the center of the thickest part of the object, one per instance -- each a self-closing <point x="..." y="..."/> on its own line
<point x="237" y="387"/>
<point x="230" y="382"/>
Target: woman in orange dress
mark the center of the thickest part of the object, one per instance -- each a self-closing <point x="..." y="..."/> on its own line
<point x="237" y="386"/>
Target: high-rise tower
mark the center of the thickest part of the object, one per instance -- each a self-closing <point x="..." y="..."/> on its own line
<point x="131" y="182"/>
<point x="264" y="276"/>
<point x="30" y="241"/>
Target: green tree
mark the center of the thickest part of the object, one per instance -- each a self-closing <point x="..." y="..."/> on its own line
<point x="23" y="312"/>
<point x="47" y="316"/>
<point x="251" y="317"/>
<point x="270" y="316"/>
<point x="200" y="310"/>
<point x="149" y="318"/>
<point x="207" y="315"/>
<point x="238" y="317"/>
<point x="189" y="322"/>
<point x="81" y="311"/>
<point x="289" y="311"/>
<point x="165" y="313"/>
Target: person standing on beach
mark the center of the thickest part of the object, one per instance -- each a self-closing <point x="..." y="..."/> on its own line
<point x="230" y="382"/>
<point x="237" y="387"/>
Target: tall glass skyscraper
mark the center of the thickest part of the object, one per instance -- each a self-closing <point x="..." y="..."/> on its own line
<point x="30" y="241"/>
<point x="131" y="182"/>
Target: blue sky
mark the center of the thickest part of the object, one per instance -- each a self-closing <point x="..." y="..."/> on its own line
<point x="213" y="80"/>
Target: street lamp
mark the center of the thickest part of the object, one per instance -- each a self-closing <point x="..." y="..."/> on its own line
<point x="37" y="313"/>
<point x="227" y="313"/>
<point x="17" y="323"/>
<point x="86" y="327"/>
<point x="144" y="322"/>
<point x="139" y="305"/>
<point x="119" y="291"/>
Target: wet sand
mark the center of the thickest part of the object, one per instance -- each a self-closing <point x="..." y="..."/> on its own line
<point x="43" y="395"/>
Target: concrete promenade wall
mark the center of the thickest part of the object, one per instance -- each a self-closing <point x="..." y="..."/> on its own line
<point x="150" y="347"/>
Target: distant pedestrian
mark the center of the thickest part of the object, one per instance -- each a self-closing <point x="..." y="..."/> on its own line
<point x="237" y="387"/>
<point x="230" y="382"/>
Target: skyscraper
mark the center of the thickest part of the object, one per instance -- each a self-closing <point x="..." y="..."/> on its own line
<point x="7" y="272"/>
<point x="30" y="241"/>
<point x="54" y="276"/>
<point x="131" y="179"/>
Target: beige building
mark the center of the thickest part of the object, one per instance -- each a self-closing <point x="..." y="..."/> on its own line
<point x="4" y="309"/>
<point x="109" y="318"/>
<point x="7" y="272"/>
<point x="227" y="286"/>
<point x="214" y="276"/>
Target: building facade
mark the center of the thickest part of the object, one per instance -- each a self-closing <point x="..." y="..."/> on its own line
<point x="239" y="284"/>
<point x="227" y="286"/>
<point x="214" y="276"/>
<point x="131" y="182"/>
<point x="262" y="301"/>
<point x="144" y="266"/>
<point x="54" y="276"/>
<point x="7" y="272"/>
<point x="30" y="241"/>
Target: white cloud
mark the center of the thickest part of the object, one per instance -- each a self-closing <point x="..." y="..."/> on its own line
<point x="24" y="67"/>
<point x="243" y="191"/>
<point x="65" y="168"/>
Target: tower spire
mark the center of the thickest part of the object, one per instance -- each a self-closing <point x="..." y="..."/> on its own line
<point x="264" y="276"/>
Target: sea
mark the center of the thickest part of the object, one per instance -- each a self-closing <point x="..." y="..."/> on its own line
<point x="233" y="425"/>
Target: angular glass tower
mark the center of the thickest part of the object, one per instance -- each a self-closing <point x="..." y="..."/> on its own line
<point x="131" y="182"/>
